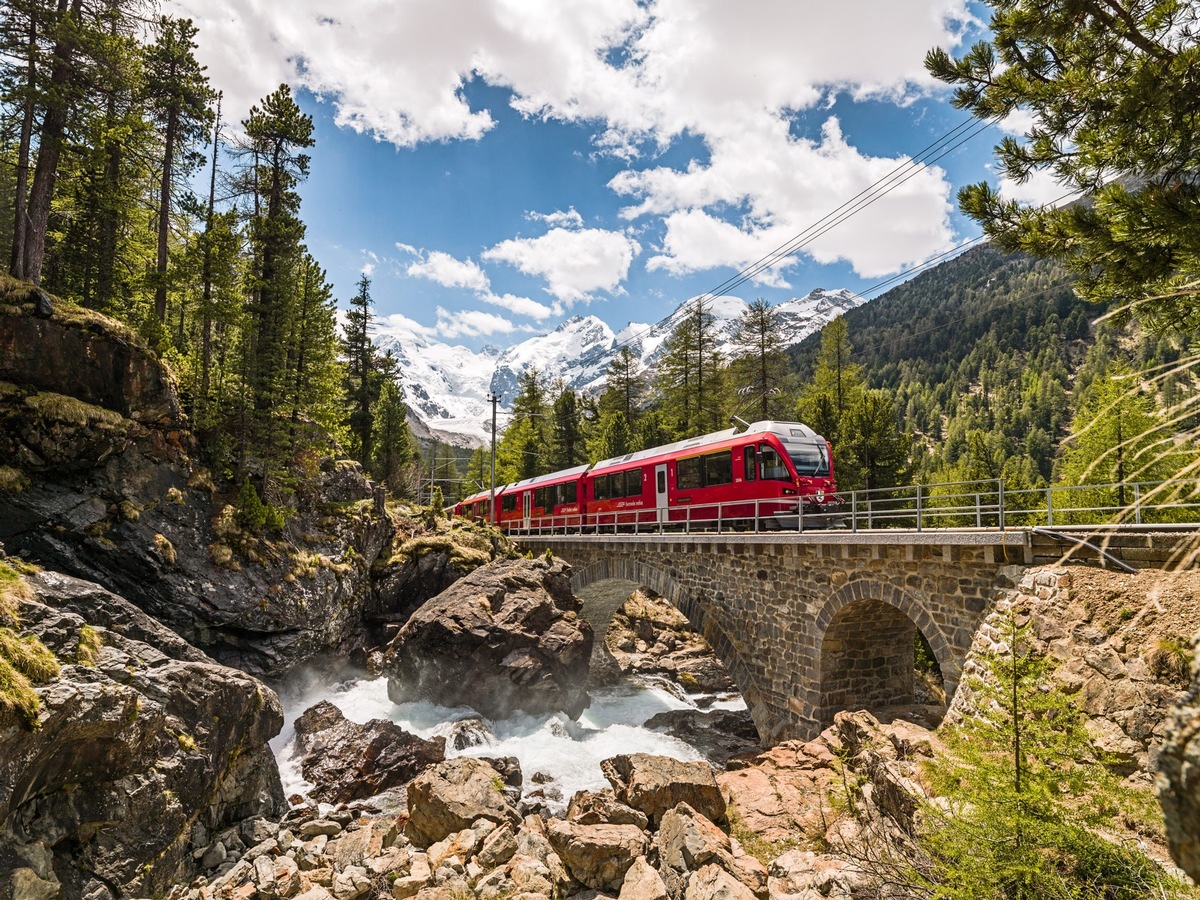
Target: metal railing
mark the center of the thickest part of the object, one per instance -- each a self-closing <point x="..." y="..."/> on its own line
<point x="958" y="505"/>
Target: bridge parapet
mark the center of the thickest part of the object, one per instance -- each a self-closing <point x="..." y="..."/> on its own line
<point x="811" y="623"/>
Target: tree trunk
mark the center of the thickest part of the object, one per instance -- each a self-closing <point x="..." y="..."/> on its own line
<point x="49" y="149"/>
<point x="164" y="215"/>
<point x="206" y="337"/>
<point x="16" y="264"/>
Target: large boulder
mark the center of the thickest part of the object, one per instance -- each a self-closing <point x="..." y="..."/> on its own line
<point x="654" y="784"/>
<point x="139" y="755"/>
<point x="504" y="638"/>
<point x="597" y="856"/>
<point x="685" y="843"/>
<point x="347" y="761"/>
<point x="452" y="796"/>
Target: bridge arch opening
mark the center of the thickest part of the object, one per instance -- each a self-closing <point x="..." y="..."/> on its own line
<point x="604" y="589"/>
<point x="880" y="650"/>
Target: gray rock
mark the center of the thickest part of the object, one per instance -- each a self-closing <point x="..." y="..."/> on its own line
<point x="453" y="795"/>
<point x="597" y="856"/>
<point x="504" y="638"/>
<point x="655" y="784"/>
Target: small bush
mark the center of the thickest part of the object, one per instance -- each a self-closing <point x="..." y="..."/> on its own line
<point x="1171" y="660"/>
<point x="12" y="481"/>
<point x="165" y="548"/>
<point x="175" y="495"/>
<point x="186" y="742"/>
<point x="89" y="645"/>
<point x="251" y="511"/>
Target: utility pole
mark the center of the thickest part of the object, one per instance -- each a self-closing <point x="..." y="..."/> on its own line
<point x="493" y="399"/>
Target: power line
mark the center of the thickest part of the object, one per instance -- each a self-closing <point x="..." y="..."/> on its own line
<point x="931" y="153"/>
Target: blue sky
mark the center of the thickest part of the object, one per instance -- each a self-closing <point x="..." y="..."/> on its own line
<point x="499" y="165"/>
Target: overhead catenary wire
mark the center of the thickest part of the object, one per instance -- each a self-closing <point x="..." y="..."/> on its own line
<point x="931" y="153"/>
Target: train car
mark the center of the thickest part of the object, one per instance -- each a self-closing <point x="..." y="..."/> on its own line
<point x="771" y="471"/>
<point x="477" y="506"/>
<point x="775" y="474"/>
<point x="543" y="502"/>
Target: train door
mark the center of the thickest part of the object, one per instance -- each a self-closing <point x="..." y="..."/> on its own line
<point x="660" y="492"/>
<point x="526" y="502"/>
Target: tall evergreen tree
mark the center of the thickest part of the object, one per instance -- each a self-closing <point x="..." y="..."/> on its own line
<point x="836" y="384"/>
<point x="360" y="370"/>
<point x="623" y="385"/>
<point x="874" y="452"/>
<point x="759" y="366"/>
<point x="177" y="94"/>
<point x="690" y="374"/>
<point x="392" y="444"/>
<point x="566" y="435"/>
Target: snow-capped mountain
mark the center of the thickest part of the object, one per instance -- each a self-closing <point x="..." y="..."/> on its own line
<point x="447" y="386"/>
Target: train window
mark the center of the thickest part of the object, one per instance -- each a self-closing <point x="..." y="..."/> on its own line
<point x="718" y="468"/>
<point x="601" y="487"/>
<point x="809" y="459"/>
<point x="541" y="498"/>
<point x="771" y="467"/>
<point x="662" y="481"/>
<point x="508" y="502"/>
<point x="748" y="463"/>
<point x="566" y="493"/>
<point x="688" y="474"/>
<point x="633" y="483"/>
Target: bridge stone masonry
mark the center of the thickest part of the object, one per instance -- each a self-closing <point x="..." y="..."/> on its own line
<point x="809" y="624"/>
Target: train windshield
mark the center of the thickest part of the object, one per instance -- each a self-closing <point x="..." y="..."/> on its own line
<point x="810" y="459"/>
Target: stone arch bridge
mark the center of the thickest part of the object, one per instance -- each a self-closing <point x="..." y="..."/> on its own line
<point x="810" y="624"/>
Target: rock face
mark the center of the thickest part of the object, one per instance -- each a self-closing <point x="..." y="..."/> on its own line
<point x="347" y="761"/>
<point x="648" y="636"/>
<point x="504" y="638"/>
<point x="140" y="754"/>
<point x="451" y="796"/>
<point x="1179" y="780"/>
<point x="655" y="784"/>
<point x="90" y="430"/>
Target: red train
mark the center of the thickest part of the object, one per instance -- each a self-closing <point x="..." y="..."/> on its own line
<point x="779" y="474"/>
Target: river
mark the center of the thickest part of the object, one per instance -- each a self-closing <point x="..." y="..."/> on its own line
<point x="565" y="754"/>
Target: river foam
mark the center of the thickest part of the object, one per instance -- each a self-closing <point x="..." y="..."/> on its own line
<point x="566" y="755"/>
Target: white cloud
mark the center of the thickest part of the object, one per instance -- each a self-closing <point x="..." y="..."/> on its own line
<point x="789" y="188"/>
<point x="470" y="323"/>
<point x="1018" y="122"/>
<point x="575" y="264"/>
<point x="558" y="219"/>
<point x="729" y="74"/>
<point x="1039" y="189"/>
<point x="521" y="306"/>
<point x="446" y="270"/>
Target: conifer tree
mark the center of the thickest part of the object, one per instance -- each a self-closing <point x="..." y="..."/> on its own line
<point x="566" y="435"/>
<point x="874" y="453"/>
<point x="392" y="442"/>
<point x="177" y="95"/>
<point x="690" y="374"/>
<point x="611" y="438"/>
<point x="1111" y="86"/>
<point x="759" y="367"/>
<point x="623" y="385"/>
<point x="836" y="385"/>
<point x="360" y="370"/>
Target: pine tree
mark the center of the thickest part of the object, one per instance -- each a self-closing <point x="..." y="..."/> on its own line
<point x="690" y="375"/>
<point x="836" y="385"/>
<point x="1023" y="791"/>
<point x="177" y="95"/>
<point x="623" y="385"/>
<point x="392" y="442"/>
<point x="360" y="370"/>
<point x="566" y="436"/>
<point x="759" y="366"/>
<point x="874" y="452"/>
<point x="1112" y="88"/>
<point x="611" y="438"/>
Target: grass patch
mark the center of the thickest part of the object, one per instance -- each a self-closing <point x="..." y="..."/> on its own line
<point x="467" y="551"/>
<point x="1171" y="660"/>
<point x="24" y="662"/>
<point x="165" y="548"/>
<point x="12" y="481"/>
<point x="71" y="411"/>
<point x="186" y="742"/>
<point x="89" y="645"/>
<point x="755" y="844"/>
<point x="13" y="590"/>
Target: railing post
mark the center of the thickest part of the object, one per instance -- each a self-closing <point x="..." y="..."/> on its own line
<point x="919" y="504"/>
<point x="1137" y="503"/>
<point x="854" y="511"/>
<point x="1049" y="508"/>
<point x="978" y="512"/>
<point x="1000" y="501"/>
<point x="757" y="515"/>
<point x="720" y="510"/>
<point x="800" y="515"/>
<point x="687" y="525"/>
